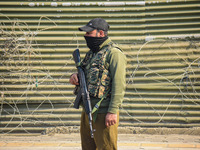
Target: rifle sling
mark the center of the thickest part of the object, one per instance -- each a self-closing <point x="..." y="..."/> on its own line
<point x="96" y="107"/>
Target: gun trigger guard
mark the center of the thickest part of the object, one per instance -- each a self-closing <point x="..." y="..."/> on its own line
<point x="76" y="90"/>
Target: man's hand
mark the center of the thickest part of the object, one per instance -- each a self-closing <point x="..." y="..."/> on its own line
<point x="110" y="119"/>
<point x="74" y="79"/>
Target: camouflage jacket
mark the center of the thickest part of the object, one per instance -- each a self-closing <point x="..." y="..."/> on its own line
<point x="97" y="72"/>
<point x="105" y="73"/>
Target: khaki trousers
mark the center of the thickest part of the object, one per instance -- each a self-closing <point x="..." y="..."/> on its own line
<point x="105" y="138"/>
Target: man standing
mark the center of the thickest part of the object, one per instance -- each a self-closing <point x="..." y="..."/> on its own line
<point x="105" y="71"/>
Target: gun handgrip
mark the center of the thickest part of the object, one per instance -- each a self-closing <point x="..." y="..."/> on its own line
<point x="78" y="100"/>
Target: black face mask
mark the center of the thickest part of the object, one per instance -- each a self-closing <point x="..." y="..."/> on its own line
<point x="93" y="43"/>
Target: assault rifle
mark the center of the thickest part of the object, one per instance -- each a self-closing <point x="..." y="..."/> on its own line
<point x="82" y="92"/>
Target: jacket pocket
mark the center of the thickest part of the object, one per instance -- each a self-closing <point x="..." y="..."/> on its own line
<point x="93" y="75"/>
<point x="105" y="80"/>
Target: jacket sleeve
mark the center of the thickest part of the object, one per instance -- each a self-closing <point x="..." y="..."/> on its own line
<point x="117" y="67"/>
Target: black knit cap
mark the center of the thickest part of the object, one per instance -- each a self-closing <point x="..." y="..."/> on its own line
<point x="96" y="23"/>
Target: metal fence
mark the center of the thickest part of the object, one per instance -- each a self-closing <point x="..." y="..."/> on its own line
<point x="161" y="41"/>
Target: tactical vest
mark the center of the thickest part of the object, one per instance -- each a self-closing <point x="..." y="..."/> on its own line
<point x="97" y="72"/>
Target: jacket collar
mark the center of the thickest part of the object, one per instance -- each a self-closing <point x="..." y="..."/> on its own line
<point x="106" y="42"/>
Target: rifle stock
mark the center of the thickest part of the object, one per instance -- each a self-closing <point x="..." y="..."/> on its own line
<point x="83" y="94"/>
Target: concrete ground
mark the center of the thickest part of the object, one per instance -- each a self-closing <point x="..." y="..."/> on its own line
<point x="125" y="142"/>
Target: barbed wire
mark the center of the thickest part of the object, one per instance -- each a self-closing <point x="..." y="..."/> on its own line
<point x="18" y="57"/>
<point x="187" y="71"/>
